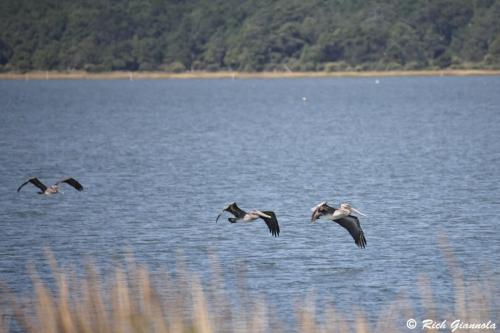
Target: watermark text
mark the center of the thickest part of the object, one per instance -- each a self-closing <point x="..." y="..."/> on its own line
<point x="455" y="325"/>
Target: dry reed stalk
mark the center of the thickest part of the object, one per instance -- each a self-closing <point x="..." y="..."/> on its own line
<point x="307" y="314"/>
<point x="120" y="303"/>
<point x="66" y="322"/>
<point x="387" y="316"/>
<point x="334" y="322"/>
<point x="258" y="321"/>
<point x="3" y="324"/>
<point x="150" y="305"/>
<point x="201" y="317"/>
<point x="218" y="295"/>
<point x="362" y="325"/>
<point x="131" y="303"/>
<point x="93" y="312"/>
<point x="425" y="291"/>
<point x="10" y="307"/>
<point x="45" y="308"/>
<point x="457" y="278"/>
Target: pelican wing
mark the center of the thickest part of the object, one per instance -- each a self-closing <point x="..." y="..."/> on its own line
<point x="351" y="223"/>
<point x="73" y="182"/>
<point x="272" y="223"/>
<point x="35" y="181"/>
<point x="321" y="210"/>
<point x="260" y="214"/>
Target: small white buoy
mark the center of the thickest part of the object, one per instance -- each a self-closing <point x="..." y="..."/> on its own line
<point x="304" y="99"/>
<point x="377" y="81"/>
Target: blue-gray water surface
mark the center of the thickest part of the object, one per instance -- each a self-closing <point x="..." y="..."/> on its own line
<point x="159" y="159"/>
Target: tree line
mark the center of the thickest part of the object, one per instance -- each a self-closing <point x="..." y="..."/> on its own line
<point x="248" y="35"/>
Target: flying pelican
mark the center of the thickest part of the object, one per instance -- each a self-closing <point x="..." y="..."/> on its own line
<point x="343" y="217"/>
<point x="53" y="188"/>
<point x="240" y="215"/>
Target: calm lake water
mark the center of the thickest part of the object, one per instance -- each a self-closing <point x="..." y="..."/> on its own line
<point x="159" y="159"/>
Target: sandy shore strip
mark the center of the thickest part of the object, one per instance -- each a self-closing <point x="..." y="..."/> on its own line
<point x="123" y="75"/>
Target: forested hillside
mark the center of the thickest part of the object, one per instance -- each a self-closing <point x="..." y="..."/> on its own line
<point x="248" y="35"/>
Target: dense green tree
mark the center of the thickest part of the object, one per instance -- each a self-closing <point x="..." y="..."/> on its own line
<point x="404" y="46"/>
<point x="5" y="53"/>
<point x="249" y="35"/>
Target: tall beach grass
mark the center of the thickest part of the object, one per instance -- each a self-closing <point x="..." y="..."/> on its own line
<point x="131" y="300"/>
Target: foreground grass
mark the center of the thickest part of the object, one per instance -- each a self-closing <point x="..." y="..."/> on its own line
<point x="119" y="75"/>
<point x="129" y="301"/>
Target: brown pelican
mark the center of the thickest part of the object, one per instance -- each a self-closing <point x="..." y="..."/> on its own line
<point x="241" y="215"/>
<point x="343" y="217"/>
<point x="53" y="188"/>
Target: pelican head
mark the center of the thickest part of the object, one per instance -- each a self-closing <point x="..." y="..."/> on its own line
<point x="53" y="189"/>
<point x="225" y="209"/>
<point x="228" y="206"/>
<point x="318" y="205"/>
<point x="345" y="205"/>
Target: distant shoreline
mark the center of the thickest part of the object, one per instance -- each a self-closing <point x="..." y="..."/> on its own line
<point x="123" y="75"/>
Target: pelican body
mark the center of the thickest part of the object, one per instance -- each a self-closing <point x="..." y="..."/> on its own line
<point x="241" y="216"/>
<point x="52" y="189"/>
<point x="342" y="216"/>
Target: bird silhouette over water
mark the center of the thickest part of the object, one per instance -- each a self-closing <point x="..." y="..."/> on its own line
<point x="241" y="216"/>
<point x="53" y="189"/>
<point x="342" y="216"/>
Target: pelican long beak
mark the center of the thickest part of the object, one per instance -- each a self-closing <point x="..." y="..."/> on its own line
<point x="217" y="219"/>
<point x="357" y="211"/>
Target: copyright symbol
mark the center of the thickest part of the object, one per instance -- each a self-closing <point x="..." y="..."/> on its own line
<point x="411" y="323"/>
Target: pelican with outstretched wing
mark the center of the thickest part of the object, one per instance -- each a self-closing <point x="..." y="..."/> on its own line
<point x="241" y="216"/>
<point x="47" y="190"/>
<point x="342" y="216"/>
